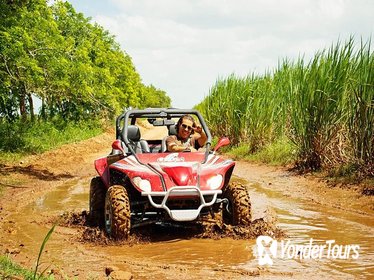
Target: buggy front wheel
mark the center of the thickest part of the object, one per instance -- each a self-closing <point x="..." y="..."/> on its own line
<point x="117" y="212"/>
<point x="97" y="201"/>
<point x="238" y="212"/>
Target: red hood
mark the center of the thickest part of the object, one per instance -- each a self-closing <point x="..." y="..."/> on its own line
<point x="181" y="175"/>
<point x="177" y="169"/>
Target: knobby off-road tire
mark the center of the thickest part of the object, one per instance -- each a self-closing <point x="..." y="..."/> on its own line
<point x="239" y="207"/>
<point x="117" y="212"/>
<point x="97" y="201"/>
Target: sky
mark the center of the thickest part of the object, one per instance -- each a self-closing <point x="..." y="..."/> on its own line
<point x="184" y="46"/>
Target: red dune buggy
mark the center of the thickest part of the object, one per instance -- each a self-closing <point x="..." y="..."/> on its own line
<point x="140" y="182"/>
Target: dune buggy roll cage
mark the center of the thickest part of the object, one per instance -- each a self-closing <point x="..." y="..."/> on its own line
<point x="166" y="114"/>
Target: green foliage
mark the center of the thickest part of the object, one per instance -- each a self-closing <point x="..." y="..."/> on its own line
<point x="245" y="109"/>
<point x="360" y="104"/>
<point x="239" y="152"/>
<point x="40" y="136"/>
<point x="316" y="95"/>
<point x="46" y="238"/>
<point x="279" y="152"/>
<point x="73" y="66"/>
<point x="9" y="269"/>
<point x="324" y="107"/>
<point x="155" y="98"/>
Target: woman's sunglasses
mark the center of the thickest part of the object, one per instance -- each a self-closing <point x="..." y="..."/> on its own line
<point x="184" y="126"/>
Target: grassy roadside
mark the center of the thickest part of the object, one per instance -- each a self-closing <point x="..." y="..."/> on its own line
<point x="21" y="139"/>
<point x="280" y="153"/>
<point x="283" y="153"/>
<point x="11" y="270"/>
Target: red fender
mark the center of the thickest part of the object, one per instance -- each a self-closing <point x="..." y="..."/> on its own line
<point x="102" y="167"/>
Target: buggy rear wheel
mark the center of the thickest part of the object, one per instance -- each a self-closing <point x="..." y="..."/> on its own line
<point x="97" y="201"/>
<point x="117" y="212"/>
<point x="239" y="208"/>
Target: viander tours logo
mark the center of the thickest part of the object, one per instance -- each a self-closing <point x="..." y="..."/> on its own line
<point x="269" y="249"/>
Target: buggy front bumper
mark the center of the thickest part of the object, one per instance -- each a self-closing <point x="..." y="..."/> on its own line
<point x="182" y="215"/>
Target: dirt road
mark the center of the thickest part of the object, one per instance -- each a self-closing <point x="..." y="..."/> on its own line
<point x="42" y="189"/>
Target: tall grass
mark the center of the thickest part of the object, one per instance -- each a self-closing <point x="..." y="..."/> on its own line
<point x="360" y="104"/>
<point x="323" y="106"/>
<point x="316" y="96"/>
<point x="239" y="108"/>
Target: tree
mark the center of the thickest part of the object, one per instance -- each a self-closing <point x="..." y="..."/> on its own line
<point x="29" y="37"/>
<point x="74" y="67"/>
<point x="153" y="97"/>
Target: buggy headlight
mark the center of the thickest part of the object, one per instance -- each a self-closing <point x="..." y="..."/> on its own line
<point x="142" y="184"/>
<point x="215" y="181"/>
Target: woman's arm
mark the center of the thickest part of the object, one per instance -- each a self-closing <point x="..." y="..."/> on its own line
<point x="202" y="138"/>
<point x="173" y="146"/>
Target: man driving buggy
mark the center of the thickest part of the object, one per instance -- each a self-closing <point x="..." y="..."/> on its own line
<point x="190" y="136"/>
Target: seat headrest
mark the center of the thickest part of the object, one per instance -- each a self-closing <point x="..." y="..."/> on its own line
<point x="172" y="130"/>
<point x="133" y="133"/>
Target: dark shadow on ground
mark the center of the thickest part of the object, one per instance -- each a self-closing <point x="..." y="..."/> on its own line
<point x="41" y="174"/>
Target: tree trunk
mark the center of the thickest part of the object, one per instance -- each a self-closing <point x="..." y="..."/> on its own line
<point x="22" y="103"/>
<point x="31" y="104"/>
<point x="42" y="111"/>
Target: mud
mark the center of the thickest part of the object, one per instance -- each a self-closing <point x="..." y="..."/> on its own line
<point x="89" y="232"/>
<point x="54" y="188"/>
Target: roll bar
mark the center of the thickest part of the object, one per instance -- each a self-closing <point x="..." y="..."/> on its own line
<point x="168" y="113"/>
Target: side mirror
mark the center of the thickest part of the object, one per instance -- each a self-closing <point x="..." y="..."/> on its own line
<point x="224" y="141"/>
<point x="117" y="147"/>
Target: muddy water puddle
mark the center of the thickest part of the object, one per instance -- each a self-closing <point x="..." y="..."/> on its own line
<point x="304" y="221"/>
<point x="301" y="221"/>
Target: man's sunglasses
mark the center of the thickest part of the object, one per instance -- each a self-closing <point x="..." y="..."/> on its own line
<point x="189" y="128"/>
